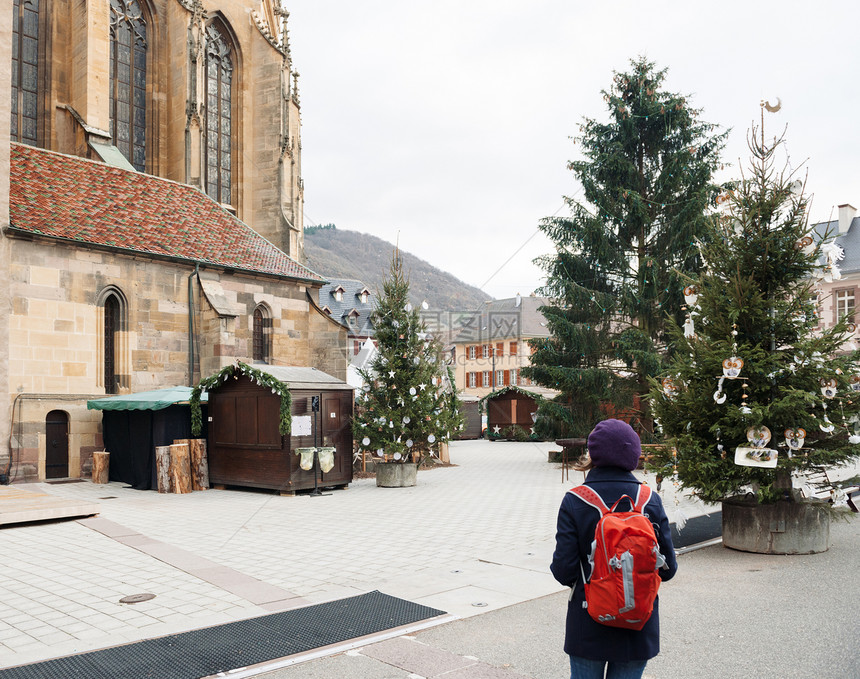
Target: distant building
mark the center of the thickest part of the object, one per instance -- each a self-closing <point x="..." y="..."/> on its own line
<point x="349" y="302"/>
<point x="492" y="347"/>
<point x="838" y="297"/>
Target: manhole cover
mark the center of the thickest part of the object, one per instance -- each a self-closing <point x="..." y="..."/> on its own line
<point x="136" y="598"/>
<point x="479" y="604"/>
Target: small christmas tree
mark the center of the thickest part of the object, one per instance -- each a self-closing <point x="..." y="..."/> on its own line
<point x="757" y="390"/>
<point x="408" y="406"/>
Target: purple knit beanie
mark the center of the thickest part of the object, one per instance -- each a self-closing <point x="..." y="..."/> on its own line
<point x="613" y="443"/>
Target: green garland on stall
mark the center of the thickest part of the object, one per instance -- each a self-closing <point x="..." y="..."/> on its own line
<point x="262" y="378"/>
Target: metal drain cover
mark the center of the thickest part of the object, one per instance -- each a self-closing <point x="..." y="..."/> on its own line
<point x="136" y="598"/>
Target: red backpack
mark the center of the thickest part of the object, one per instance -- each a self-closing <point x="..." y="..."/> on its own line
<point x="624" y="561"/>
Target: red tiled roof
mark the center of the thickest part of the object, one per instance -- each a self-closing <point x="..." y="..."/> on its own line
<point x="79" y="200"/>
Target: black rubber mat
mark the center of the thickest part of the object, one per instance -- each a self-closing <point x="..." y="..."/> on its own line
<point x="203" y="652"/>
<point x="698" y="529"/>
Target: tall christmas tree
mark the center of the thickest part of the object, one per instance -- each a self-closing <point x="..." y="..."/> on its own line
<point x="621" y="255"/>
<point x="409" y="405"/>
<point x="756" y="390"/>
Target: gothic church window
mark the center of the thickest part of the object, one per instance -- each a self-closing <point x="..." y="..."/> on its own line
<point x="128" y="47"/>
<point x="262" y="335"/>
<point x="112" y="324"/>
<point x="25" y="72"/>
<point x="219" y="102"/>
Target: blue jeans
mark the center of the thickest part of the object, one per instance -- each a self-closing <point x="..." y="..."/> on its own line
<point x="582" y="668"/>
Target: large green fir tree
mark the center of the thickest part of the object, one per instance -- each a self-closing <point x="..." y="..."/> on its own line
<point x="409" y="405"/>
<point x="621" y="255"/>
<point x="757" y="391"/>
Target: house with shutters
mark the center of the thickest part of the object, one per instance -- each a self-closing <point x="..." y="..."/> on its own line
<point x="491" y="347"/>
<point x="151" y="207"/>
<point x="839" y="296"/>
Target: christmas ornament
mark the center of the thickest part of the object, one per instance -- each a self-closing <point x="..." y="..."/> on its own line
<point x="828" y="387"/>
<point x="669" y="387"/>
<point x="757" y="454"/>
<point x="691" y="295"/>
<point x="365" y="441"/>
<point x="794" y="438"/>
<point x="732" y="367"/>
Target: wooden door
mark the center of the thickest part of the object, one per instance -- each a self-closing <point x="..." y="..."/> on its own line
<point x="56" y="445"/>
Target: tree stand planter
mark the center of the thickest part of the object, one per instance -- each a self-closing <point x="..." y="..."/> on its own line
<point x="779" y="528"/>
<point x="396" y="474"/>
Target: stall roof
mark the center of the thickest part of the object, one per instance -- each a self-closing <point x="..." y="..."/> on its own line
<point x="144" y="400"/>
<point x="302" y="378"/>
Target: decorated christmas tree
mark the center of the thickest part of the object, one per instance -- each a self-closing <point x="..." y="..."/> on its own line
<point x="621" y="255"/>
<point x="757" y="390"/>
<point x="409" y="405"/>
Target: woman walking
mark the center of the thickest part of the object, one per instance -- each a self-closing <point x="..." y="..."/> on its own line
<point x="595" y="648"/>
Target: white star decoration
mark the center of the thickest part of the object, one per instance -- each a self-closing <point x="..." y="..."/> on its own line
<point x="496" y="429"/>
<point x="422" y="386"/>
<point x="391" y="373"/>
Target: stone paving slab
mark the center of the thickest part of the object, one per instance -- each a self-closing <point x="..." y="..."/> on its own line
<point x="18" y="505"/>
<point x="223" y="555"/>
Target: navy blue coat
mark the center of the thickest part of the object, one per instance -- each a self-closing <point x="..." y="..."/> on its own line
<point x="576" y="525"/>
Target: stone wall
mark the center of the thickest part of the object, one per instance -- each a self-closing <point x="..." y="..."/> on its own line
<point x="56" y="359"/>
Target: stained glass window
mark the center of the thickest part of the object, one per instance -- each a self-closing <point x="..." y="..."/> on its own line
<point x="128" y="80"/>
<point x="25" y="72"/>
<point x="219" y="87"/>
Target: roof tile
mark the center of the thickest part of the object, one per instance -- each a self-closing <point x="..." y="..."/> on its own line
<point x="72" y="198"/>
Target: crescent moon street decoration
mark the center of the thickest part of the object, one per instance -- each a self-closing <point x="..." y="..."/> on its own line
<point x="773" y="108"/>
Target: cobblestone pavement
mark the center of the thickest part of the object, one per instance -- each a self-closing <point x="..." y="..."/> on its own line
<point x="481" y="532"/>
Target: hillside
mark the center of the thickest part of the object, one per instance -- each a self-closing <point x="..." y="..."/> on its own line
<point x="334" y="253"/>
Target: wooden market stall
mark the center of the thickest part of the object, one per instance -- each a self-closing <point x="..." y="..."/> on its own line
<point x="134" y="425"/>
<point x="513" y="406"/>
<point x="261" y="415"/>
<point x="470" y="408"/>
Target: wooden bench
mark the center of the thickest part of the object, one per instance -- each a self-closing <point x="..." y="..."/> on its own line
<point x="818" y="486"/>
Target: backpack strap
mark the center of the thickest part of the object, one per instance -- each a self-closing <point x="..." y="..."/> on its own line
<point x="642" y="497"/>
<point x="590" y="497"/>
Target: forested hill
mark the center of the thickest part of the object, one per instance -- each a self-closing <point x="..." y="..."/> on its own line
<point x="334" y="253"/>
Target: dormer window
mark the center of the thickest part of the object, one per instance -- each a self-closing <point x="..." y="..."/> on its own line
<point x="364" y="295"/>
<point x="338" y="293"/>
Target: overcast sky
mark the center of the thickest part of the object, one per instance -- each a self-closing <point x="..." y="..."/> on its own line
<point x="446" y="123"/>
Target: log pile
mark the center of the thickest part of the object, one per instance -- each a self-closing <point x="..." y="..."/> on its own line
<point x="182" y="467"/>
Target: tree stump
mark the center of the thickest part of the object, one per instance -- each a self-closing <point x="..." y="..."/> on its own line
<point x="180" y="468"/>
<point x="162" y="468"/>
<point x="101" y="466"/>
<point x="199" y="462"/>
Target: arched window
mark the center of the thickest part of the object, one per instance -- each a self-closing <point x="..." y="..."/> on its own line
<point x="262" y="335"/>
<point x="113" y="319"/>
<point x="219" y="102"/>
<point x="128" y="80"/>
<point x="25" y="72"/>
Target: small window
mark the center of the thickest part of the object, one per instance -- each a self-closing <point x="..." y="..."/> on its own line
<point x="500" y="378"/>
<point x="473" y="380"/>
<point x="262" y="335"/>
<point x="486" y="351"/>
<point x="513" y="377"/>
<point x="844" y="304"/>
<point x="364" y="296"/>
<point x="486" y="378"/>
<point x="472" y="352"/>
<point x="338" y="295"/>
<point x="111" y="343"/>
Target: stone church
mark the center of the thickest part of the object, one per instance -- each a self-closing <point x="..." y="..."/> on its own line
<point x="151" y="210"/>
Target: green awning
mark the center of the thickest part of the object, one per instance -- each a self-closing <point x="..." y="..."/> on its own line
<point x="145" y="400"/>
